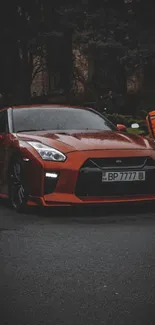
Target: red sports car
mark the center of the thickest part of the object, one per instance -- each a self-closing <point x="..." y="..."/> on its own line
<point x="54" y="155"/>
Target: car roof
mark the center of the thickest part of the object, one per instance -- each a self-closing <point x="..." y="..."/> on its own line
<point x="46" y="106"/>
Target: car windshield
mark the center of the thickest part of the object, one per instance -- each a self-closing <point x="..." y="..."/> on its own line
<point x="58" y="118"/>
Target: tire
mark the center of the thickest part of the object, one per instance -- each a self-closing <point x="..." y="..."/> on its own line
<point x="18" y="195"/>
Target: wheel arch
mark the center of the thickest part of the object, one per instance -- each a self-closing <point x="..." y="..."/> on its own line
<point x="14" y="155"/>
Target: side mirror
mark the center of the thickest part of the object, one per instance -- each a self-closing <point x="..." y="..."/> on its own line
<point x="135" y="126"/>
<point x="121" y="128"/>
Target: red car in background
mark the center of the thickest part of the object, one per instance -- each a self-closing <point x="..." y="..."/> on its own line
<point x="57" y="155"/>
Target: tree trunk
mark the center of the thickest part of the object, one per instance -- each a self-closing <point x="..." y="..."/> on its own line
<point x="67" y="73"/>
<point x="26" y="72"/>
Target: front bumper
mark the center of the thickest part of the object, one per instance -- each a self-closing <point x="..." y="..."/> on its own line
<point x="71" y="200"/>
<point x="69" y="190"/>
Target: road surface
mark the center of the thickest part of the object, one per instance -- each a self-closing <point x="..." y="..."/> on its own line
<point x="78" y="267"/>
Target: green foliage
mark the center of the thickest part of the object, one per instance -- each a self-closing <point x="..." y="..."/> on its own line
<point x="135" y="131"/>
<point x="126" y="120"/>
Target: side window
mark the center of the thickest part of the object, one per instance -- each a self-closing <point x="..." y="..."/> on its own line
<point x="3" y="122"/>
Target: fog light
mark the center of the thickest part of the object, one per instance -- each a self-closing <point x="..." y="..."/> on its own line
<point x="51" y="175"/>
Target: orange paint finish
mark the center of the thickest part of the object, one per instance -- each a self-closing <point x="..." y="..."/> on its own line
<point x="150" y="120"/>
<point x="68" y="171"/>
<point x="68" y="200"/>
<point x="121" y="128"/>
<point x="80" y="141"/>
<point x="78" y="147"/>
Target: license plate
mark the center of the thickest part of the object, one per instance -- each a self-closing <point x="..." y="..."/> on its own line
<point x="123" y="176"/>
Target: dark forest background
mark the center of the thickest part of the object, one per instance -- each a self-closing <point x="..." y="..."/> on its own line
<point x="97" y="53"/>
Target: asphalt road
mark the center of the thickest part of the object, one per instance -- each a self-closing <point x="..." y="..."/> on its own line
<point x="89" y="267"/>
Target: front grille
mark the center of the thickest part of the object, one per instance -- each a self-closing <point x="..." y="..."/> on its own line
<point x="90" y="183"/>
<point x="119" y="162"/>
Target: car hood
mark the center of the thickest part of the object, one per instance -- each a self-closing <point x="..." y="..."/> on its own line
<point x="71" y="141"/>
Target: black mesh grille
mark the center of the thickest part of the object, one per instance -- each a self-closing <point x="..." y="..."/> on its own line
<point x="119" y="162"/>
<point x="90" y="184"/>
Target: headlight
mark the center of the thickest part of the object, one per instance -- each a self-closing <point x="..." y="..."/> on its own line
<point x="46" y="152"/>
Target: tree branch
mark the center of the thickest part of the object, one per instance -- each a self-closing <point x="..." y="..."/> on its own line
<point x="39" y="69"/>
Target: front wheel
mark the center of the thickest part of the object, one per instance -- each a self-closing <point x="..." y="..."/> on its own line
<point x="17" y="188"/>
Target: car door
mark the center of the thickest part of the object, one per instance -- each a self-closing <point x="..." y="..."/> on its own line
<point x="3" y="144"/>
<point x="150" y="120"/>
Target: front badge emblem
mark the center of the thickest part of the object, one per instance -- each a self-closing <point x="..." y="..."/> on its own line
<point x="118" y="161"/>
